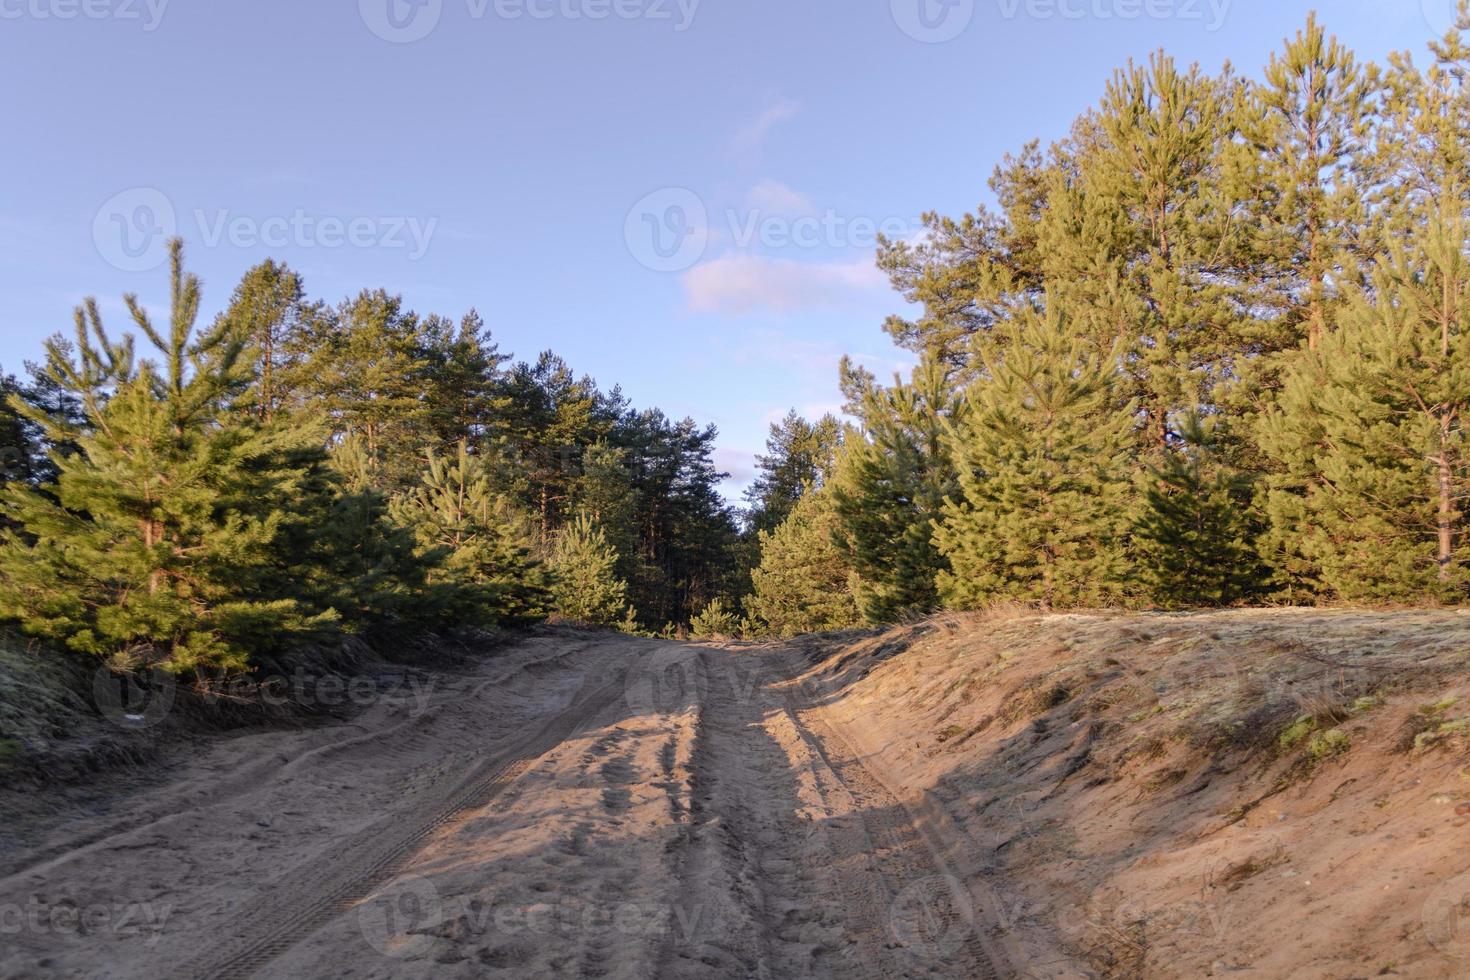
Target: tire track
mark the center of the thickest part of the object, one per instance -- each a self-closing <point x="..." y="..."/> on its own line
<point x="929" y="925"/>
<point x="793" y="896"/>
<point x="273" y="770"/>
<point x="312" y="895"/>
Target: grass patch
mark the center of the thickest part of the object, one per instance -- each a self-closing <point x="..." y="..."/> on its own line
<point x="1297" y="732"/>
<point x="1428" y="728"/>
<point x="1325" y="745"/>
<point x="1440" y="733"/>
<point x="950" y="733"/>
<point x="1319" y="744"/>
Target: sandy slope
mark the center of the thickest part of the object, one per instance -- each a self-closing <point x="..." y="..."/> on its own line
<point x="1256" y="794"/>
<point x="599" y="807"/>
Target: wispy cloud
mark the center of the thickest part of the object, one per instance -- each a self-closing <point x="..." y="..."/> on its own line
<point x="810" y="364"/>
<point x="774" y="196"/>
<point x="751" y="137"/>
<point x="740" y="284"/>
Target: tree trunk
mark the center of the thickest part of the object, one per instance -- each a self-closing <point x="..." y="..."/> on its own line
<point x="1446" y="507"/>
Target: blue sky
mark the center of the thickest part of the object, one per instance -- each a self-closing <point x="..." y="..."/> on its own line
<point x="519" y="156"/>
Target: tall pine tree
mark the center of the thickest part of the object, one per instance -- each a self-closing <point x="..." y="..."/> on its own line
<point x="1372" y="428"/>
<point x="480" y="561"/>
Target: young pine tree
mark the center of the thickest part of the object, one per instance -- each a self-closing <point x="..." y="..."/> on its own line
<point x="584" y="568"/>
<point x="1194" y="535"/>
<point x="1371" y="428"/>
<point x="888" y="486"/>
<point x="370" y="370"/>
<point x="159" y="542"/>
<point x="804" y="582"/>
<point x="606" y="493"/>
<point x="716" y="621"/>
<point x="1043" y="454"/>
<point x="481" y="569"/>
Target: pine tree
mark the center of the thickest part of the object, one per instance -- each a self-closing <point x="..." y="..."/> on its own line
<point x="1043" y="453"/>
<point x="269" y="307"/>
<point x="888" y="487"/>
<point x="368" y="370"/>
<point x="550" y="416"/>
<point x="1310" y="125"/>
<point x="1371" y="428"/>
<point x="1194" y="537"/>
<point x="799" y="455"/>
<point x="18" y="449"/>
<point x="62" y="408"/>
<point x="606" y="492"/>
<point x="804" y="582"/>
<point x="1142" y="240"/>
<point x="686" y="537"/>
<point x="354" y="557"/>
<point x="971" y="274"/>
<point x="584" y="567"/>
<point x="465" y="382"/>
<point x="716" y="621"/>
<point x="1423" y="137"/>
<point x="158" y="543"/>
<point x="482" y="571"/>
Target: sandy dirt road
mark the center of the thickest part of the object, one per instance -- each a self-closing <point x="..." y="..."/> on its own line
<point x="579" y="806"/>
